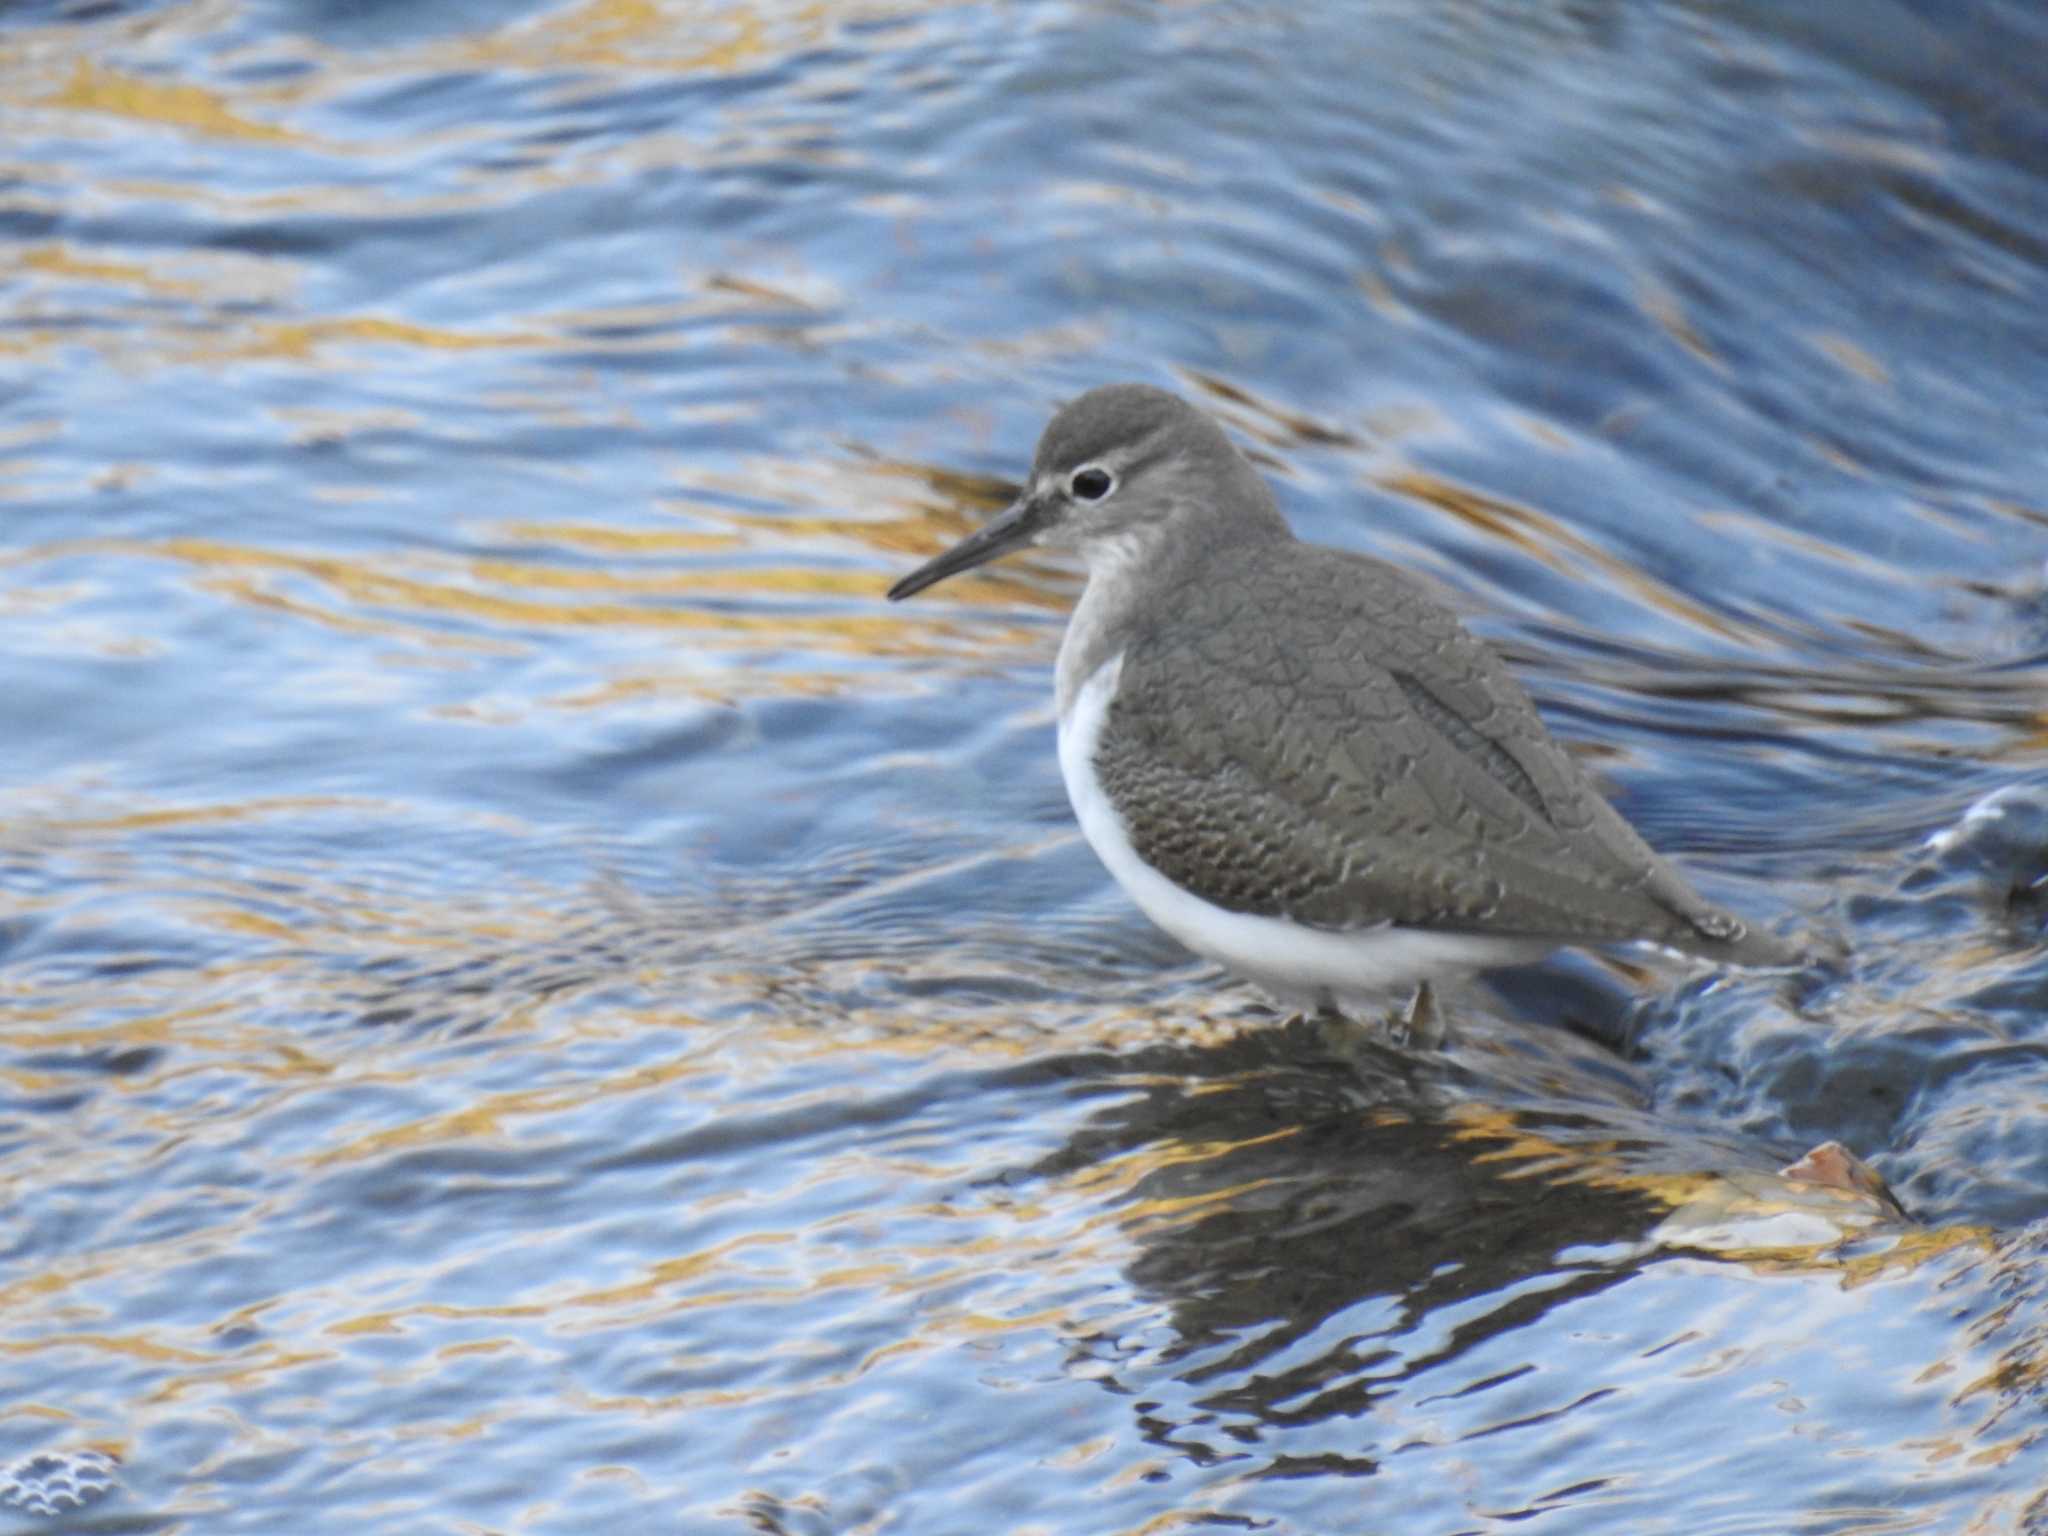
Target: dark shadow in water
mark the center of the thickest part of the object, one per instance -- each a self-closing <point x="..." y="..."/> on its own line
<point x="1341" y="1175"/>
<point x="427" y="994"/>
<point x="1428" y="1214"/>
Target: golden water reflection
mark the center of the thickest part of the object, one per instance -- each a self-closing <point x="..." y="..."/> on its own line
<point x="497" y="604"/>
<point x="92" y="88"/>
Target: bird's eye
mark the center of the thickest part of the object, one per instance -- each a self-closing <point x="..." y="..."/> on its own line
<point x="1092" y="483"/>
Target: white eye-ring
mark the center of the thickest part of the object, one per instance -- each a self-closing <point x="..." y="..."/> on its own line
<point x="1091" y="482"/>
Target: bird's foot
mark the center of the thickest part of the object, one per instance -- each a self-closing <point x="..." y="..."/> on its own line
<point x="1421" y="1026"/>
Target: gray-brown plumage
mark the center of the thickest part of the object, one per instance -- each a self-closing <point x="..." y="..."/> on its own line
<point x="1292" y="733"/>
<point x="1372" y="763"/>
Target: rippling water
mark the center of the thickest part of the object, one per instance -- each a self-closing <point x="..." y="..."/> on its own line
<point x="532" y="1000"/>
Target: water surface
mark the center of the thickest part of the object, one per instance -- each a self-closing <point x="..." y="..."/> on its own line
<point x="531" y="999"/>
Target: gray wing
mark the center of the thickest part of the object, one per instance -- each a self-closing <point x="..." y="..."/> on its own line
<point x="1378" y="765"/>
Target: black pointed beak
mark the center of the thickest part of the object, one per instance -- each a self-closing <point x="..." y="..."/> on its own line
<point x="1016" y="526"/>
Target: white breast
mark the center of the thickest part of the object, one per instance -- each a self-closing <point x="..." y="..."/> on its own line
<point x="1299" y="964"/>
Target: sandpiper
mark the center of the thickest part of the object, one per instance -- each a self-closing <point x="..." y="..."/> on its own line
<point x="1295" y="759"/>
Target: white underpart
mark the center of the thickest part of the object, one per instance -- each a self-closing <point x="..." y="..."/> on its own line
<point x="1296" y="963"/>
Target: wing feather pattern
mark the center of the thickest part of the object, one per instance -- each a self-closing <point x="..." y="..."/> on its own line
<point x="1379" y="766"/>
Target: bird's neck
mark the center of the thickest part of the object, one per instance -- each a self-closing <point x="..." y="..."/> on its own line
<point x="1152" y="556"/>
<point x="1126" y="574"/>
<point x="1119" y="570"/>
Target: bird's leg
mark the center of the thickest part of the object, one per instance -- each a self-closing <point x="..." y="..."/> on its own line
<point x="1423" y="1026"/>
<point x="1340" y="1033"/>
